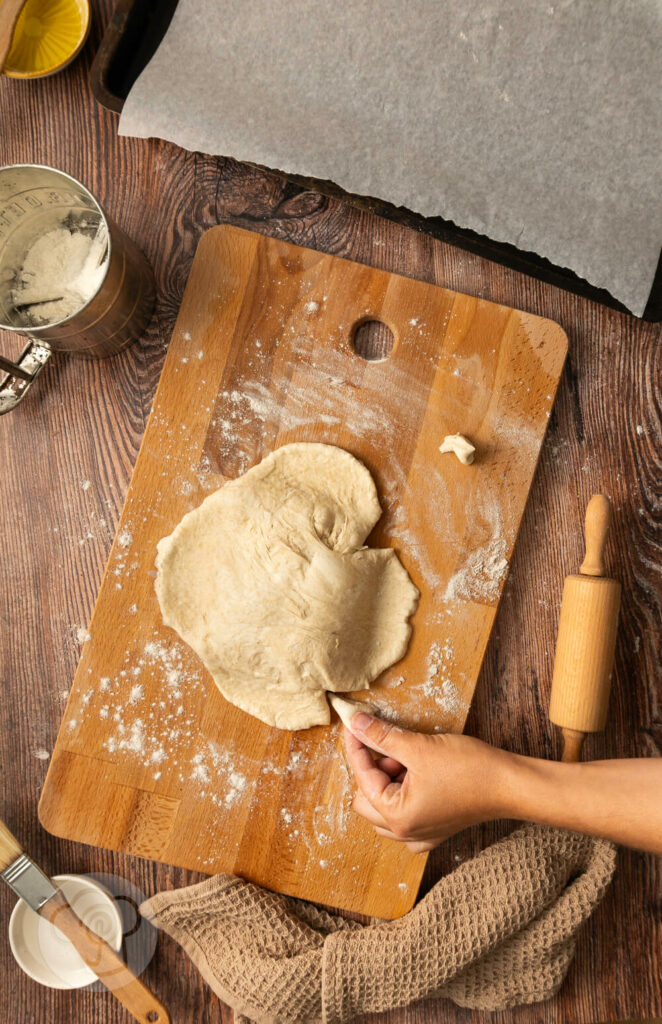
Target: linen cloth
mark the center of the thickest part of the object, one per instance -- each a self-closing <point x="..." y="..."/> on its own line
<point x="498" y="931"/>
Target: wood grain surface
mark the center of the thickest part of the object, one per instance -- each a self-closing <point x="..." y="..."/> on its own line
<point x="263" y="354"/>
<point x="85" y="423"/>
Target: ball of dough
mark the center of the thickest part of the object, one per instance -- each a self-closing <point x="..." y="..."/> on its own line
<point x="270" y="584"/>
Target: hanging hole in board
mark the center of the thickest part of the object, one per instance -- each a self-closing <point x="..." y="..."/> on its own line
<point x="373" y="340"/>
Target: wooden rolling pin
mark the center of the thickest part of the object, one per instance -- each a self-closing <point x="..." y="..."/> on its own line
<point x="586" y="639"/>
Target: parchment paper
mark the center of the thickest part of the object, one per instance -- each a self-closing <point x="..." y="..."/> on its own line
<point x="531" y="122"/>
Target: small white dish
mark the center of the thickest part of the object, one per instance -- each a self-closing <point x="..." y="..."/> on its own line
<point x="44" y="953"/>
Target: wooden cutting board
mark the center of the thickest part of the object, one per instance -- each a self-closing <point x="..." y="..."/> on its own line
<point x="150" y="759"/>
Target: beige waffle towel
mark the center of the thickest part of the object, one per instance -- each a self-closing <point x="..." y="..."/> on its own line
<point x="499" y="931"/>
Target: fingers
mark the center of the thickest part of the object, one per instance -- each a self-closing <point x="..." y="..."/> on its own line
<point x="384" y="737"/>
<point x="371" y="780"/>
<point x="387" y="834"/>
<point x="363" y="807"/>
<point x="413" y="846"/>
<point x="420" y="847"/>
<point x="391" y="766"/>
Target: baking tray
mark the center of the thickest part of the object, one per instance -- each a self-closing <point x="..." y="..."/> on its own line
<point x="131" y="39"/>
<point x="129" y="42"/>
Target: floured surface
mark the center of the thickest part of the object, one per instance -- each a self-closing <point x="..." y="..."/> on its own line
<point x="158" y="763"/>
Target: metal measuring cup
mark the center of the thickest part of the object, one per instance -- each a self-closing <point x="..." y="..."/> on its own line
<point x="34" y="200"/>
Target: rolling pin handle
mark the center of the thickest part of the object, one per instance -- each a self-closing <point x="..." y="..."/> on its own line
<point x="573" y="741"/>
<point x="598" y="521"/>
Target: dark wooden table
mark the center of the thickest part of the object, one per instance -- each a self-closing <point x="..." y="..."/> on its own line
<point x="85" y="422"/>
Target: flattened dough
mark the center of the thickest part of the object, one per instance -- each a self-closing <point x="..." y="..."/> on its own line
<point x="269" y="583"/>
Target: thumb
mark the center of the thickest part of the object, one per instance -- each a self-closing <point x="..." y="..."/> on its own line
<point x="383" y="737"/>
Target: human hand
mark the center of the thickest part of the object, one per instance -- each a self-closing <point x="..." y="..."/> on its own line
<point x="424" y="788"/>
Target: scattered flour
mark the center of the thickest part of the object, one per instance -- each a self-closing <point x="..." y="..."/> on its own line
<point x="332" y="818"/>
<point x="439" y="683"/>
<point x="481" y="576"/>
<point x="200" y="770"/>
<point x="294" y="760"/>
<point x="238" y="784"/>
<point x="172" y="663"/>
<point x="125" y="539"/>
<point x="484" y="570"/>
<point x="399" y="529"/>
<point x="42" y="755"/>
<point x="386" y="711"/>
<point x="135" y="740"/>
<point x="322" y="395"/>
<point x="217" y="768"/>
<point x="137" y="693"/>
<point x="164" y="727"/>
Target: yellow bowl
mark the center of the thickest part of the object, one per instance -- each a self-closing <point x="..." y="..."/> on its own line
<point x="48" y="35"/>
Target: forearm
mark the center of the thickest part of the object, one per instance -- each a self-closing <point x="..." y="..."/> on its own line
<point x="426" y="788"/>
<point x="620" y="800"/>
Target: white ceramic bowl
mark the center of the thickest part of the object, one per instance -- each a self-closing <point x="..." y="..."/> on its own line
<point x="44" y="953"/>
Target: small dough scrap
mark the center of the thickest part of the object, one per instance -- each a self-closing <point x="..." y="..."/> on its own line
<point x="460" y="446"/>
<point x="270" y="583"/>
